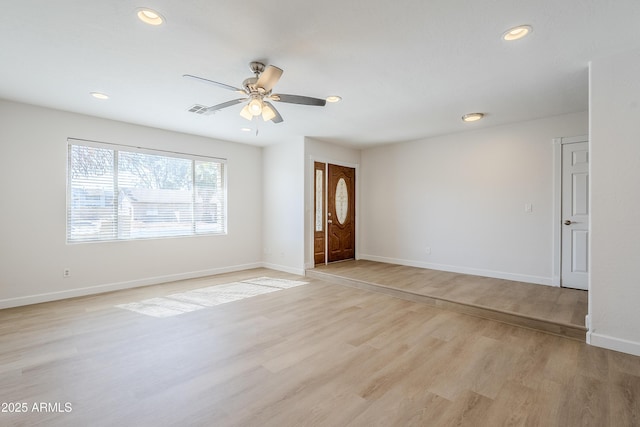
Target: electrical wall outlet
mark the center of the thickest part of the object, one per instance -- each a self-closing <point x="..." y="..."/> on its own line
<point x="66" y="272"/>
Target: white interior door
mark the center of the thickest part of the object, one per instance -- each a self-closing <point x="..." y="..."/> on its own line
<point x="575" y="215"/>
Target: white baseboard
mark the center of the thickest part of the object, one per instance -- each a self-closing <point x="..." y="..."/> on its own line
<point x="612" y="343"/>
<point x="284" y="268"/>
<point x="548" y="281"/>
<point x="108" y="287"/>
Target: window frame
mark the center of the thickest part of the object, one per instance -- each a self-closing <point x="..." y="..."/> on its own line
<point x="116" y="149"/>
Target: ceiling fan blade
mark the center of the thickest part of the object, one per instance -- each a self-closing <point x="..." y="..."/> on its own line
<point x="224" y="105"/>
<point x="268" y="108"/>
<point x="222" y="85"/>
<point x="269" y="78"/>
<point x="297" y="99"/>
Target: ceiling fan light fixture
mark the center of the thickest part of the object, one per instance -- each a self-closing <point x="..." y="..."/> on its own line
<point x="255" y="107"/>
<point x="516" y="33"/>
<point x="472" y="117"/>
<point x="267" y="113"/>
<point x="150" y="16"/>
<point x="246" y="113"/>
<point x="334" y="98"/>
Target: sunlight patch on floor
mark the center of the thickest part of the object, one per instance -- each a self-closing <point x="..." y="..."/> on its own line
<point x="197" y="299"/>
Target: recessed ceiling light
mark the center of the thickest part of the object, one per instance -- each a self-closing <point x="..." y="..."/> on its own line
<point x="245" y="130"/>
<point x="516" y="33"/>
<point x="472" y="117"/>
<point x="150" y="16"/>
<point x="99" y="95"/>
<point x="334" y="98"/>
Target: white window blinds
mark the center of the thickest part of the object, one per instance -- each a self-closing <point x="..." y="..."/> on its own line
<point x="119" y="192"/>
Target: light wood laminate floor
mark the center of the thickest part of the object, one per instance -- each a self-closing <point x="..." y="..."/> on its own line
<point x="562" y="307"/>
<point x="314" y="355"/>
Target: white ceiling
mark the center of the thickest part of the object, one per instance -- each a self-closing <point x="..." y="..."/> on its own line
<point x="406" y="69"/>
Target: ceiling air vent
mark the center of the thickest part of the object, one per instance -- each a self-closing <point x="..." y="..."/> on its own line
<point x="198" y="109"/>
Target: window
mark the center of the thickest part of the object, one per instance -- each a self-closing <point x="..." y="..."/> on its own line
<point x="118" y="192"/>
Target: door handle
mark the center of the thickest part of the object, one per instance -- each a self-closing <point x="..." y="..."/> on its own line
<point x="567" y="222"/>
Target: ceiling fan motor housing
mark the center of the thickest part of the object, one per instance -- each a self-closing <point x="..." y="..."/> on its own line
<point x="250" y="84"/>
<point x="256" y="67"/>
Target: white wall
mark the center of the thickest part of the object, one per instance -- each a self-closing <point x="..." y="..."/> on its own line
<point x="283" y="202"/>
<point x="33" y="249"/>
<point x="320" y="151"/>
<point x="614" y="289"/>
<point x="463" y="196"/>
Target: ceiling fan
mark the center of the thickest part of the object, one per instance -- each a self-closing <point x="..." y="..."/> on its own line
<point x="257" y="94"/>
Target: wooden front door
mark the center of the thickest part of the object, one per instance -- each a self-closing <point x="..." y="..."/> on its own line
<point x="341" y="213"/>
